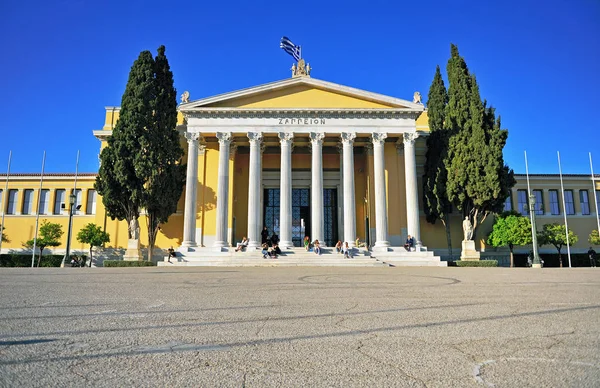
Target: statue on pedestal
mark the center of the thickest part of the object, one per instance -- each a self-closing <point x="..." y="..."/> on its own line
<point x="134" y="229"/>
<point x="467" y="229"/>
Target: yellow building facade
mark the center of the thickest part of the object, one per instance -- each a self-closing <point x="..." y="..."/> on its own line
<point x="301" y="157"/>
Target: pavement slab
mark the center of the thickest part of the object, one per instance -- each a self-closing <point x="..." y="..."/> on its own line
<point x="299" y="326"/>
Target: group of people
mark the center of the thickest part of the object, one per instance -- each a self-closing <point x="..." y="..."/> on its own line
<point x="344" y="249"/>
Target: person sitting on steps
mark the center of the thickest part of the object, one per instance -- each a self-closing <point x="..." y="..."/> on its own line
<point x="171" y="253"/>
<point x="265" y="250"/>
<point x="242" y="245"/>
<point x="307" y="243"/>
<point x="409" y="244"/>
<point x="338" y="246"/>
<point x="317" y="247"/>
<point x="346" y="251"/>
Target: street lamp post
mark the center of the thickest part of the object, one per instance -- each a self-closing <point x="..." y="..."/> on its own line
<point x="72" y="199"/>
<point x="536" y="257"/>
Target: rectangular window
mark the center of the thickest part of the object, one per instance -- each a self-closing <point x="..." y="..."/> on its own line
<point x="569" y="203"/>
<point x="584" y="200"/>
<point x="91" y="202"/>
<point x="78" y="198"/>
<point x="554" y="208"/>
<point x="12" y="201"/>
<point x="508" y="203"/>
<point x="44" y="201"/>
<point x="27" y="201"/>
<point x="539" y="202"/>
<point x="59" y="199"/>
<point x="522" y="201"/>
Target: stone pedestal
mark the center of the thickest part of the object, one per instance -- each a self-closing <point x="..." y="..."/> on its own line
<point x="133" y="252"/>
<point x="468" y="251"/>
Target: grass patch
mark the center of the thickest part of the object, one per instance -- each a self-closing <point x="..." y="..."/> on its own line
<point x="123" y="263"/>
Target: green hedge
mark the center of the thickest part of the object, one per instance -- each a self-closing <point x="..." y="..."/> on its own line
<point x="123" y="263"/>
<point x="24" y="260"/>
<point x="479" y="263"/>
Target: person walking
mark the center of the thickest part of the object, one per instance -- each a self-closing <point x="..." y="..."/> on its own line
<point x="592" y="255"/>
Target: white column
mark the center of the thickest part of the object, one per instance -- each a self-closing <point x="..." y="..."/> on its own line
<point x="254" y="185"/>
<point x="381" y="232"/>
<point x="412" y="191"/>
<point x="285" y="199"/>
<point x="340" y="195"/>
<point x="316" y="198"/>
<point x="191" y="187"/>
<point x="349" y="201"/>
<point x="223" y="189"/>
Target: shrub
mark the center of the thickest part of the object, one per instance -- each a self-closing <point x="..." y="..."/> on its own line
<point x="480" y="263"/>
<point x="123" y="263"/>
<point x="24" y="260"/>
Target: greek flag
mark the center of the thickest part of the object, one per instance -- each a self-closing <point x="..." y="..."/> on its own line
<point x="290" y="48"/>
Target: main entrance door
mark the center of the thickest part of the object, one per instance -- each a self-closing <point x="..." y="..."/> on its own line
<point x="301" y="224"/>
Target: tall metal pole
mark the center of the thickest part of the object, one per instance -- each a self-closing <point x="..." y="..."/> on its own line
<point x="594" y="193"/>
<point x="72" y="204"/>
<point x="37" y="218"/>
<point x="4" y="195"/>
<point x="562" y="188"/>
<point x="536" y="256"/>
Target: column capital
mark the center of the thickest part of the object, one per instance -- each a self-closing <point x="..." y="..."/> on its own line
<point x="378" y="137"/>
<point x="348" y="137"/>
<point x="224" y="138"/>
<point x="316" y="138"/>
<point x="255" y="137"/>
<point x="192" y="136"/>
<point x="286" y="137"/>
<point x="409" y="138"/>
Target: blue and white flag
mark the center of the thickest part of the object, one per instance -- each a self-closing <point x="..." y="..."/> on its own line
<point x="290" y="48"/>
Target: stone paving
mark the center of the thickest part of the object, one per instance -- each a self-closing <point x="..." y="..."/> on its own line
<point x="290" y="327"/>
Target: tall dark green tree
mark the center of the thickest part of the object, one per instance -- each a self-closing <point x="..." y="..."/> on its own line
<point x="478" y="180"/>
<point x="164" y="185"/>
<point x="436" y="203"/>
<point x="123" y="167"/>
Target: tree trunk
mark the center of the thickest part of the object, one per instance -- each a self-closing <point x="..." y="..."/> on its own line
<point x="40" y="256"/>
<point x="446" y="223"/>
<point x="560" y="258"/>
<point x="91" y="259"/>
<point x="512" y="263"/>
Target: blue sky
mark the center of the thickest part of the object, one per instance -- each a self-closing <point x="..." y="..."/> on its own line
<point x="64" y="61"/>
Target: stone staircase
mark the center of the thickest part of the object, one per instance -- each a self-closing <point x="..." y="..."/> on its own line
<point x="299" y="257"/>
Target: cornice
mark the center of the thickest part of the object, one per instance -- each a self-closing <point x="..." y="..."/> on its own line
<point x="305" y="113"/>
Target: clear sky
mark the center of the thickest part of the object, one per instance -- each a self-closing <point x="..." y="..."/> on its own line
<point x="63" y="61"/>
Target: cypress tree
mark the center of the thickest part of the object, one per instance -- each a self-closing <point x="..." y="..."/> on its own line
<point x="166" y="173"/>
<point x="122" y="173"/>
<point x="436" y="204"/>
<point x="478" y="180"/>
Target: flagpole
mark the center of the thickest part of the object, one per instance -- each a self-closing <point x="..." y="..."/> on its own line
<point x="4" y="195"/>
<point x="37" y="218"/>
<point x="562" y="188"/>
<point x="594" y="193"/>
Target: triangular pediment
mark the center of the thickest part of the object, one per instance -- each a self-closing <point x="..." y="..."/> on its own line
<point x="301" y="93"/>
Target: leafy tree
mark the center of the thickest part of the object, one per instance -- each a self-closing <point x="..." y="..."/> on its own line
<point x="93" y="235"/>
<point x="123" y="171"/>
<point x="554" y="234"/>
<point x="478" y="180"/>
<point x="510" y="229"/>
<point x="164" y="184"/>
<point x="594" y="239"/>
<point x="49" y="236"/>
<point x="436" y="203"/>
<point x="4" y="236"/>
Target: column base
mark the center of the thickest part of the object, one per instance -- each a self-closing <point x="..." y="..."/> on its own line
<point x="536" y="266"/>
<point x="381" y="246"/>
<point x="286" y="244"/>
<point x="253" y="245"/>
<point x="187" y="246"/>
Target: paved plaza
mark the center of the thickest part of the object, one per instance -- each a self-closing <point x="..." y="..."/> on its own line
<point x="290" y="327"/>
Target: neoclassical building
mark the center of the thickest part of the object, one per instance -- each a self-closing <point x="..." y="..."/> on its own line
<point x="301" y="157"/>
